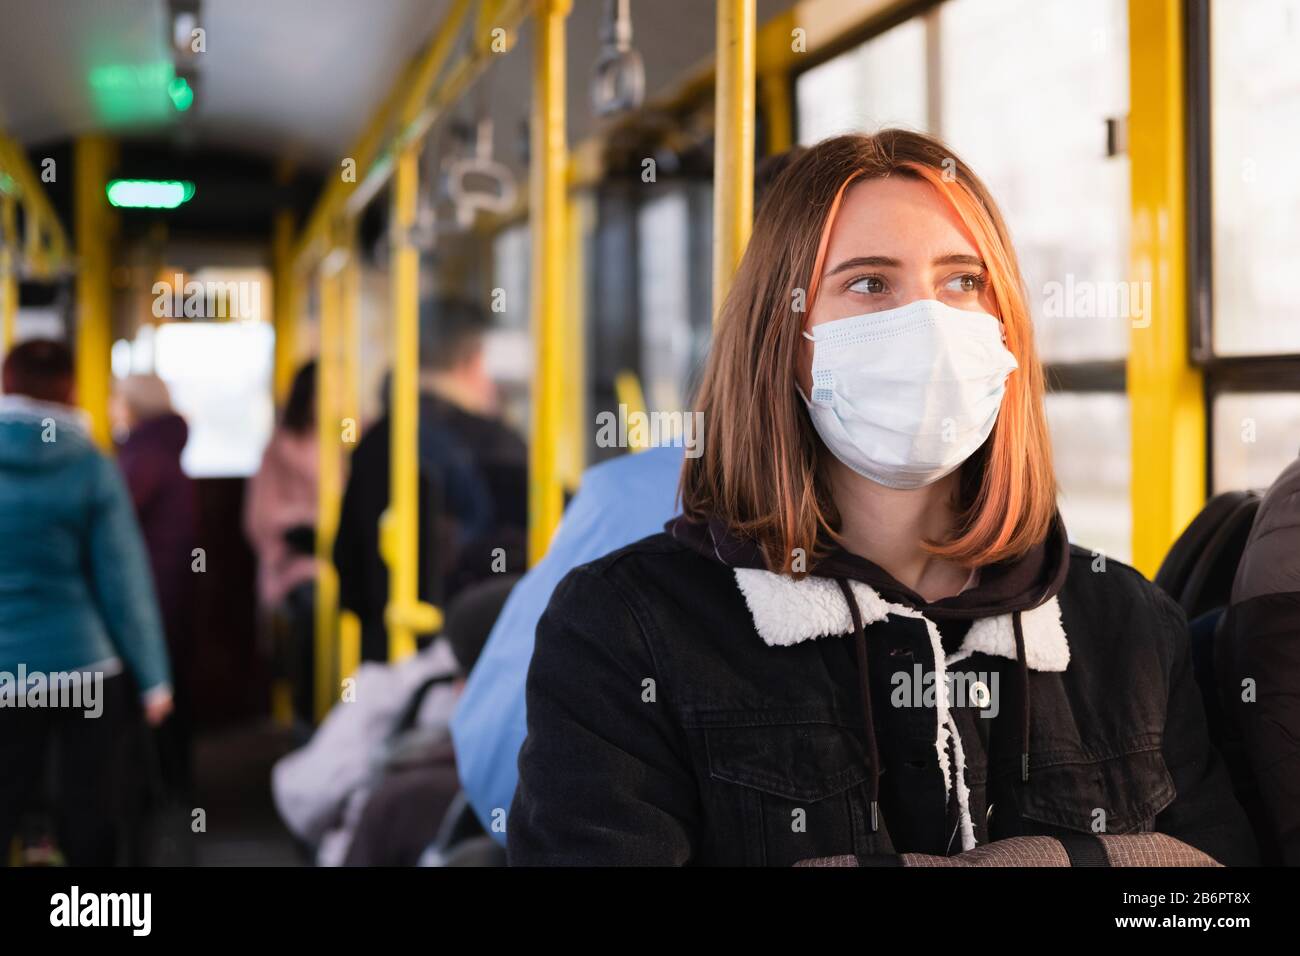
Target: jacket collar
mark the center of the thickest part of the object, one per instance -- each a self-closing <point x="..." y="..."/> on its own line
<point x="21" y="408"/>
<point x="787" y="611"/>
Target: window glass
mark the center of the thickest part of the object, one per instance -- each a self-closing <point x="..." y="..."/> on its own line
<point x="880" y="83"/>
<point x="507" y="348"/>
<point x="1255" y="437"/>
<point x="664" y="285"/>
<point x="1027" y="87"/>
<point x="219" y="375"/>
<point x="1255" y="131"/>
<point x="1090" y="446"/>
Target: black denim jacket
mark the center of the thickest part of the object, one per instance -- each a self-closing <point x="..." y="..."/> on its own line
<point x="663" y="728"/>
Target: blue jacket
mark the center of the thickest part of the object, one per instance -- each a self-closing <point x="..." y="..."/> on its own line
<point x="619" y="501"/>
<point x="75" y="586"/>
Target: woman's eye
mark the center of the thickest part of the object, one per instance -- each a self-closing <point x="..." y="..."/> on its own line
<point x="966" y="283"/>
<point x="871" y="285"/>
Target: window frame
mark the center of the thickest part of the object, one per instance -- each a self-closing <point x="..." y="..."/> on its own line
<point x="1264" y="373"/>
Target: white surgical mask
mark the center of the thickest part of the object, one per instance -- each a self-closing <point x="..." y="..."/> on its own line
<point x="904" y="396"/>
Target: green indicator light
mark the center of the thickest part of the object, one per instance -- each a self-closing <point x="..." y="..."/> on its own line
<point x="181" y="93"/>
<point x="149" y="193"/>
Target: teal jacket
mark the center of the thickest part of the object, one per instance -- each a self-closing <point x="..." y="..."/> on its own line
<point x="75" y="585"/>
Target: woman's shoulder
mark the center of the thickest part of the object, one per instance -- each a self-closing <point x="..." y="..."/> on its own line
<point x="655" y="561"/>
<point x="1114" y="605"/>
<point x="1093" y="571"/>
<point x="656" y="579"/>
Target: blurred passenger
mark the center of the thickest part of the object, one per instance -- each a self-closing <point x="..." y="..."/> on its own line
<point x="406" y="808"/>
<point x="1263" y="625"/>
<point x="280" y="523"/>
<point x="470" y="462"/>
<point x="395" y="724"/>
<point x="491" y="722"/>
<point x="875" y="460"/>
<point x="166" y="506"/>
<point x="77" y="611"/>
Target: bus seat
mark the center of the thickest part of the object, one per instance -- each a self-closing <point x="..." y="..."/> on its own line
<point x="461" y="840"/>
<point x="1199" y="568"/>
<point x="1198" y="573"/>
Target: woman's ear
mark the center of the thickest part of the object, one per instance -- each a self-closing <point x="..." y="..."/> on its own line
<point x="803" y="368"/>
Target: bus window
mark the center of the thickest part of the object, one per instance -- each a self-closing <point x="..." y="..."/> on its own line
<point x="219" y="374"/>
<point x="1255" y="437"/>
<point x="1255" y="109"/>
<point x="886" y="76"/>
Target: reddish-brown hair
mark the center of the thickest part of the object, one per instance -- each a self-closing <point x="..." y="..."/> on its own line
<point x="40" y="369"/>
<point x="760" y="471"/>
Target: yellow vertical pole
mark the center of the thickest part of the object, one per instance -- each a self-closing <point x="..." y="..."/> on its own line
<point x="733" y="150"/>
<point x="329" y="491"/>
<point x="775" y="57"/>
<point x="286" y="313"/>
<point x="1167" y="412"/>
<point x="8" y="273"/>
<point x="349" y="291"/>
<point x="573" y="446"/>
<point x="547" y="210"/>
<point x="400" y="531"/>
<point x="92" y="160"/>
<point x="284" y="320"/>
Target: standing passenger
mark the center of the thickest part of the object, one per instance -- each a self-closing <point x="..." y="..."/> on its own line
<point x="166" y="506"/>
<point x="75" y="599"/>
<point x="868" y="633"/>
<point x="472" y="463"/>
<point x="280" y="523"/>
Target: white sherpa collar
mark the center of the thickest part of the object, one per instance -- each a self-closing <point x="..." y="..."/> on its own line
<point x="788" y="611"/>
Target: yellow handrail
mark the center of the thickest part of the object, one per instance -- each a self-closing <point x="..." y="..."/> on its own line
<point x="93" y="157"/>
<point x="1167" y="410"/>
<point x="284" y="289"/>
<point x="733" y="151"/>
<point x="547" y="209"/>
<point x="47" y="248"/>
<point x="406" y="615"/>
<point x="8" y="272"/>
<point x="329" y="489"/>
<point x="627" y="389"/>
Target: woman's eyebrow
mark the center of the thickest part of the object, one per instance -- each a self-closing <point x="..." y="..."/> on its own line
<point x="859" y="261"/>
<point x="951" y="259"/>
<point x="957" y="259"/>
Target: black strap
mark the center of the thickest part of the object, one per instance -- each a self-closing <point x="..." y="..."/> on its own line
<point x="1084" y="849"/>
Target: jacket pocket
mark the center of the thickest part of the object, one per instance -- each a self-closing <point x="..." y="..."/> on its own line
<point x="797" y="788"/>
<point x="1115" y="795"/>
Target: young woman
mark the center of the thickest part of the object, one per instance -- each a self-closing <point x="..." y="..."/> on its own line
<point x="867" y="634"/>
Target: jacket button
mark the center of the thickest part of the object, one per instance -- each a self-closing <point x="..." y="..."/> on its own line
<point x="979" y="694"/>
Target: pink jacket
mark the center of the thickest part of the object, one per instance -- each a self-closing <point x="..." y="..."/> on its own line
<point x="282" y="495"/>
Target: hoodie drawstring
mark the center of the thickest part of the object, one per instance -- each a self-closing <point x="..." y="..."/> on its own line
<point x="864" y="681"/>
<point x="1024" y="695"/>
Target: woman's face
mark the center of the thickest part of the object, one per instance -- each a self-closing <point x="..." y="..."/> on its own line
<point x="894" y="241"/>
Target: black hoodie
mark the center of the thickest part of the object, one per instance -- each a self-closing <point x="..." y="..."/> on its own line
<point x="687" y="706"/>
<point x="1008" y="587"/>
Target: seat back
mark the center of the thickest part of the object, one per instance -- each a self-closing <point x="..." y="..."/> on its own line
<point x="1198" y="573"/>
<point x="1199" y="568"/>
